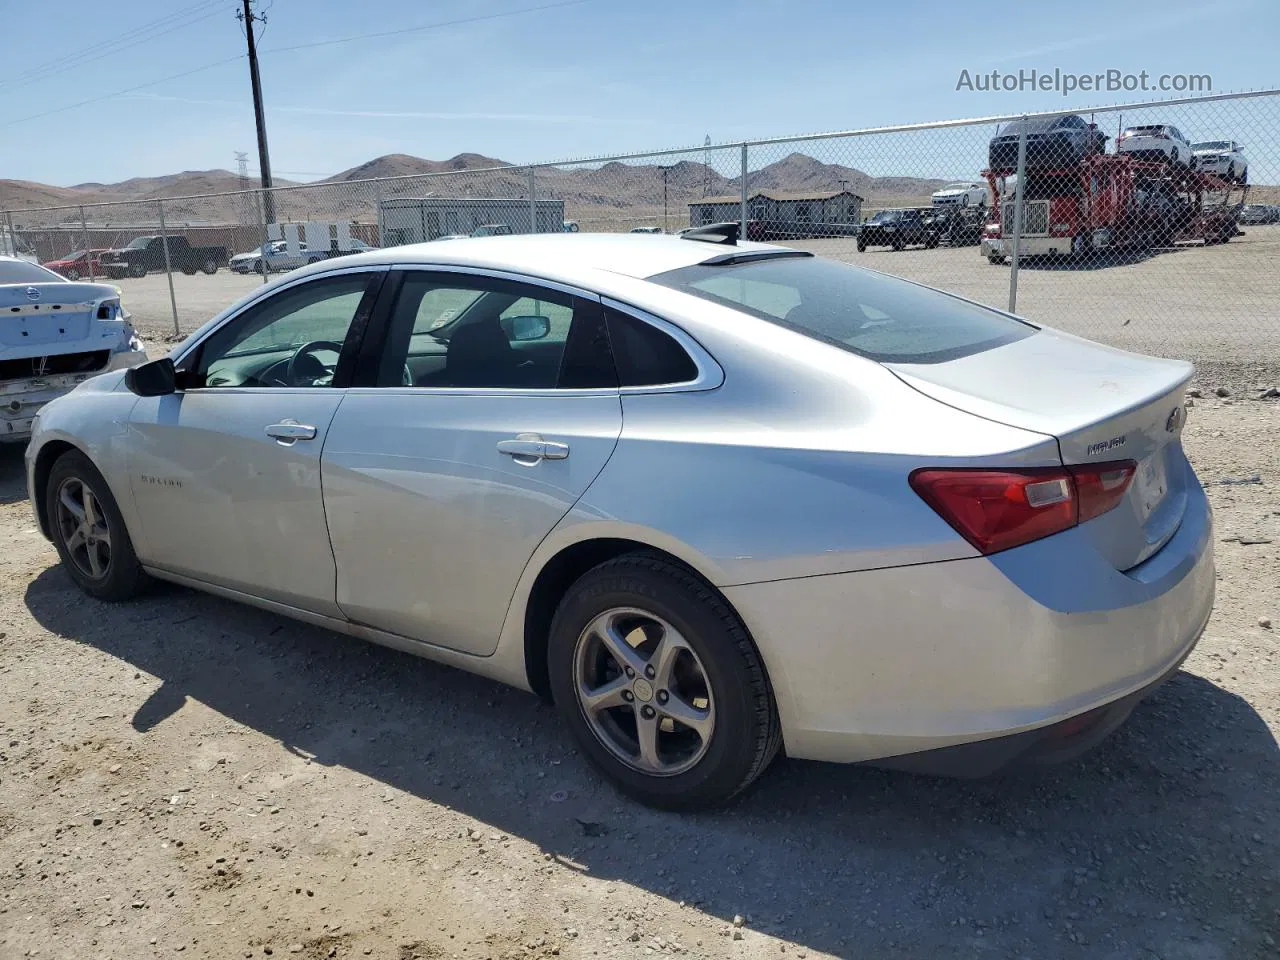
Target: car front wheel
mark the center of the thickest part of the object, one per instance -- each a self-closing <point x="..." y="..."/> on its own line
<point x="661" y="685"/>
<point x="89" y="532"/>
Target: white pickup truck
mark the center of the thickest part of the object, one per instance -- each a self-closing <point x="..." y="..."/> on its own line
<point x="55" y="334"/>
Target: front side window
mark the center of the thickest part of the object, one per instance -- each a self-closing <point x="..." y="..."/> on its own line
<point x="875" y="316"/>
<point x="465" y="331"/>
<point x="292" y="339"/>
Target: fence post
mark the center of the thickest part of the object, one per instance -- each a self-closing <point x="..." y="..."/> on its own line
<point x="262" y="247"/>
<point x="742" y="211"/>
<point x="533" y="202"/>
<point x="1019" y="193"/>
<point x="168" y="268"/>
<point x="10" y="242"/>
<point x="88" y="247"/>
<point x="377" y="201"/>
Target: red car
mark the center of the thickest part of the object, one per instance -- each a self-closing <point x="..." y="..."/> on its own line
<point x="78" y="264"/>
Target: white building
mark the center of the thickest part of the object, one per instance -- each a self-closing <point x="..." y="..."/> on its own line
<point x="416" y="219"/>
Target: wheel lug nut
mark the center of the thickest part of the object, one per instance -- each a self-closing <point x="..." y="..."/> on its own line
<point x="630" y="673"/>
<point x="627" y="696"/>
<point x="650" y="672"/>
<point x="662" y="696"/>
<point x="647" y="713"/>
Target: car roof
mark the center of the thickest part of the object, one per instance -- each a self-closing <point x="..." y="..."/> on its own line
<point x="569" y="257"/>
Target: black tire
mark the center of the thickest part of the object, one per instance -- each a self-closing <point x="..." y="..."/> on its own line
<point x="210" y="267"/>
<point x="137" y="270"/>
<point x="122" y="577"/>
<point x="862" y="247"/>
<point x="898" y="245"/>
<point x="115" y="274"/>
<point x="995" y="258"/>
<point x="189" y="271"/>
<point x="73" y="274"/>
<point x="747" y="733"/>
<point x="932" y="241"/>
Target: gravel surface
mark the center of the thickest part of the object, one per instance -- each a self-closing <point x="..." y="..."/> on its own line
<point x="184" y="776"/>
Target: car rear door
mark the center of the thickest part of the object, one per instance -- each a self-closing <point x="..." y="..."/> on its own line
<point x="466" y="440"/>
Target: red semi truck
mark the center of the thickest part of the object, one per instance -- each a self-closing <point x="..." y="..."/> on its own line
<point x="1106" y="201"/>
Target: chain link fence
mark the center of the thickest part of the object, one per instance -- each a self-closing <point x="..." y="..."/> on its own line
<point x="1153" y="227"/>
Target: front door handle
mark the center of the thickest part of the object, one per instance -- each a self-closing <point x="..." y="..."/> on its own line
<point x="289" y="432"/>
<point x="529" y="448"/>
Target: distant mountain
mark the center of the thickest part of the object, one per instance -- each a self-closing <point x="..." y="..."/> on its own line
<point x="403" y="165"/>
<point x="605" y="196"/>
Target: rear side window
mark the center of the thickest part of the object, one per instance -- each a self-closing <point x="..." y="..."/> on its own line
<point x="644" y="355"/>
<point x="878" y="317"/>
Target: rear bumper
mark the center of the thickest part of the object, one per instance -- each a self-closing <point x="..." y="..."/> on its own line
<point x="885" y="663"/>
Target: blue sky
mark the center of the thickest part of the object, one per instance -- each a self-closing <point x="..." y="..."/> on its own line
<point x="574" y="79"/>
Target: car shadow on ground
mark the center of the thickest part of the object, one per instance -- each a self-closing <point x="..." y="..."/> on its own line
<point x="13" y="476"/>
<point x="1163" y="837"/>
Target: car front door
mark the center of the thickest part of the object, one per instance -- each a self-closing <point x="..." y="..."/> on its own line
<point x="488" y="408"/>
<point x="226" y="471"/>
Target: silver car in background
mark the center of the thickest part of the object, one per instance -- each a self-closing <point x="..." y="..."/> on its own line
<point x="713" y="498"/>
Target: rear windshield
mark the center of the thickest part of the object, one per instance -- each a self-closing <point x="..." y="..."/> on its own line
<point x="19" y="271"/>
<point x="878" y="317"/>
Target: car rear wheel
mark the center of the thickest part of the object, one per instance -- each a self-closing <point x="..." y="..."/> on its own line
<point x="137" y="271"/>
<point x="73" y="274"/>
<point x="89" y="532"/>
<point x="661" y="685"/>
<point x="210" y="267"/>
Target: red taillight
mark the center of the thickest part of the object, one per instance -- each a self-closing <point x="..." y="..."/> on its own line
<point x="998" y="509"/>
<point x="1100" y="486"/>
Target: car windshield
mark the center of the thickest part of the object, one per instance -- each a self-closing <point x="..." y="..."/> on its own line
<point x="19" y="271"/>
<point x="74" y="255"/>
<point x="885" y="216"/>
<point x="870" y="314"/>
<point x="1212" y="145"/>
<point x="138" y="243"/>
<point x="956" y="186"/>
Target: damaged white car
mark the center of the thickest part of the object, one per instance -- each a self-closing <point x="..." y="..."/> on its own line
<point x="55" y="334"/>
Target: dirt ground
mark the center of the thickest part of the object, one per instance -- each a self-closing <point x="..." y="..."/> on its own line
<point x="1213" y="305"/>
<point x="185" y="776"/>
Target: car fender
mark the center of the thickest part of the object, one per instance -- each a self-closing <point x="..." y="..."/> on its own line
<point x="94" y="419"/>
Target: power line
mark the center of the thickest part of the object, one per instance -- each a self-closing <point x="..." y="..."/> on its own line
<point x="303" y="46"/>
<point x="112" y="46"/>
<point x="117" y="93"/>
<point x="425" y="26"/>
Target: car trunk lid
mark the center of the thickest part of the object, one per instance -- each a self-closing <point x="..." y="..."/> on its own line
<point x="56" y="318"/>
<point x="1101" y="404"/>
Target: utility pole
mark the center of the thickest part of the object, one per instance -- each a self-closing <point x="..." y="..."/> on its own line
<point x="248" y="18"/>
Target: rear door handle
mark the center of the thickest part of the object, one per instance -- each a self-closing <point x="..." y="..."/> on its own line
<point x="530" y="448"/>
<point x="288" y="432"/>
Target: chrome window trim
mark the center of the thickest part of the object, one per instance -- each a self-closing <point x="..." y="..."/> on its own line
<point x="467" y="270"/>
<point x="710" y="375"/>
<point x="262" y="297"/>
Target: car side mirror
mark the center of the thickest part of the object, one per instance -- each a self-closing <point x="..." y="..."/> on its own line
<point x="154" y="379"/>
<point x="520" y="329"/>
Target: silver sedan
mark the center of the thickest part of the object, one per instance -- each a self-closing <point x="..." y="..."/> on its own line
<point x="712" y="498"/>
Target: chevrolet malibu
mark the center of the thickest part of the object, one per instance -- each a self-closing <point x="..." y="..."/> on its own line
<point x="713" y="498"/>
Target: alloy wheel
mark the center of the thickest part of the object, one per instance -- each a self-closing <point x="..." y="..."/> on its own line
<point x="644" y="692"/>
<point x="83" y="528"/>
